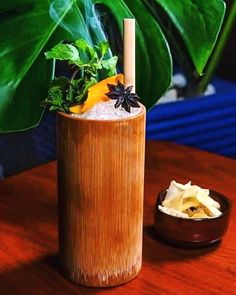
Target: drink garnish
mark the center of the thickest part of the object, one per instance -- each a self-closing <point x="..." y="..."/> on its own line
<point x="124" y="96"/>
<point x="88" y="64"/>
<point x="85" y="88"/>
<point x="96" y="94"/>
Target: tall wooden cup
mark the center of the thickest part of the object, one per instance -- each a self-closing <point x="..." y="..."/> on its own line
<point x="100" y="186"/>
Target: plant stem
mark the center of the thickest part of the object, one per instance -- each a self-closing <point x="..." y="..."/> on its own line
<point x="74" y="74"/>
<point x="53" y="69"/>
<point x="82" y="72"/>
<point x="218" y="50"/>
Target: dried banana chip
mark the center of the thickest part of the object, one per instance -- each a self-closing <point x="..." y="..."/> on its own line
<point x="173" y="212"/>
<point x="174" y="196"/>
<point x="190" y="201"/>
<point x="199" y="213"/>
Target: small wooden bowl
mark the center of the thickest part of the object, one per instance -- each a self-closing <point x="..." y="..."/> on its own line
<point x="192" y="233"/>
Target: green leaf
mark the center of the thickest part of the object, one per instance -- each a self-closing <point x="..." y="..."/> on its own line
<point x="61" y="82"/>
<point x="57" y="92"/>
<point x="71" y="94"/>
<point x="198" y="22"/>
<point x="58" y="88"/>
<point x="110" y="65"/>
<point x="103" y="47"/>
<point x="53" y="108"/>
<point x="153" y="59"/>
<point x="26" y="31"/>
<point x="83" y="92"/>
<point x="30" y="27"/>
<point x="83" y="45"/>
<point x="64" y="52"/>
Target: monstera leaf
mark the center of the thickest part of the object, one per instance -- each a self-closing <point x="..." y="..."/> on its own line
<point x="28" y="28"/>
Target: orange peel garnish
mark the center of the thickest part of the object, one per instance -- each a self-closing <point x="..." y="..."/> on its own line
<point x="97" y="93"/>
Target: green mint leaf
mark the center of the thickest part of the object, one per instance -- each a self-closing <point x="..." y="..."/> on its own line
<point x="57" y="89"/>
<point x="63" y="92"/>
<point x="61" y="82"/>
<point x="103" y="47"/>
<point x="71" y="93"/>
<point x="110" y="65"/>
<point x="56" y="93"/>
<point x="78" y="83"/>
<point x="53" y="108"/>
<point x="96" y="66"/>
<point x="64" y="52"/>
<point x="84" y="91"/>
<point x="74" y="88"/>
<point x="89" y="83"/>
<point x="84" y="46"/>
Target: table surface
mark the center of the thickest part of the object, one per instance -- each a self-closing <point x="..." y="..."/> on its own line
<point x="28" y="231"/>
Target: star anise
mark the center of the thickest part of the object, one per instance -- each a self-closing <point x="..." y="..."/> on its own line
<point x="124" y="96"/>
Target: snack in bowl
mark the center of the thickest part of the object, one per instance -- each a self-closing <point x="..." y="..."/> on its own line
<point x="190" y="217"/>
<point x="189" y="201"/>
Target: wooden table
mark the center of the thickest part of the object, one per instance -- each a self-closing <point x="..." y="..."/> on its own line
<point x="28" y="231"/>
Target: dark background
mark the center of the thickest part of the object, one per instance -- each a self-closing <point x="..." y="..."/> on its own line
<point x="227" y="66"/>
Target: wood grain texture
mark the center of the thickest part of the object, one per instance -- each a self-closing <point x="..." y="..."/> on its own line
<point x="29" y="242"/>
<point x="100" y="189"/>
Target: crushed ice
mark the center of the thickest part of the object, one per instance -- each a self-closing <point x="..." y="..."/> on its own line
<point x="107" y="111"/>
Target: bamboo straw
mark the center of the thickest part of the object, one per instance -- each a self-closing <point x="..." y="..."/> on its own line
<point x="129" y="52"/>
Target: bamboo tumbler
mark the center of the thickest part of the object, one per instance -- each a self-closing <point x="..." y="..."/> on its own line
<point x="100" y="186"/>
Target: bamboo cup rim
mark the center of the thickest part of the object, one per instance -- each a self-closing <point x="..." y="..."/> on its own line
<point x="69" y="116"/>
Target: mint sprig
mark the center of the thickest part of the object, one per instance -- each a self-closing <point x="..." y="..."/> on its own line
<point x="87" y="62"/>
